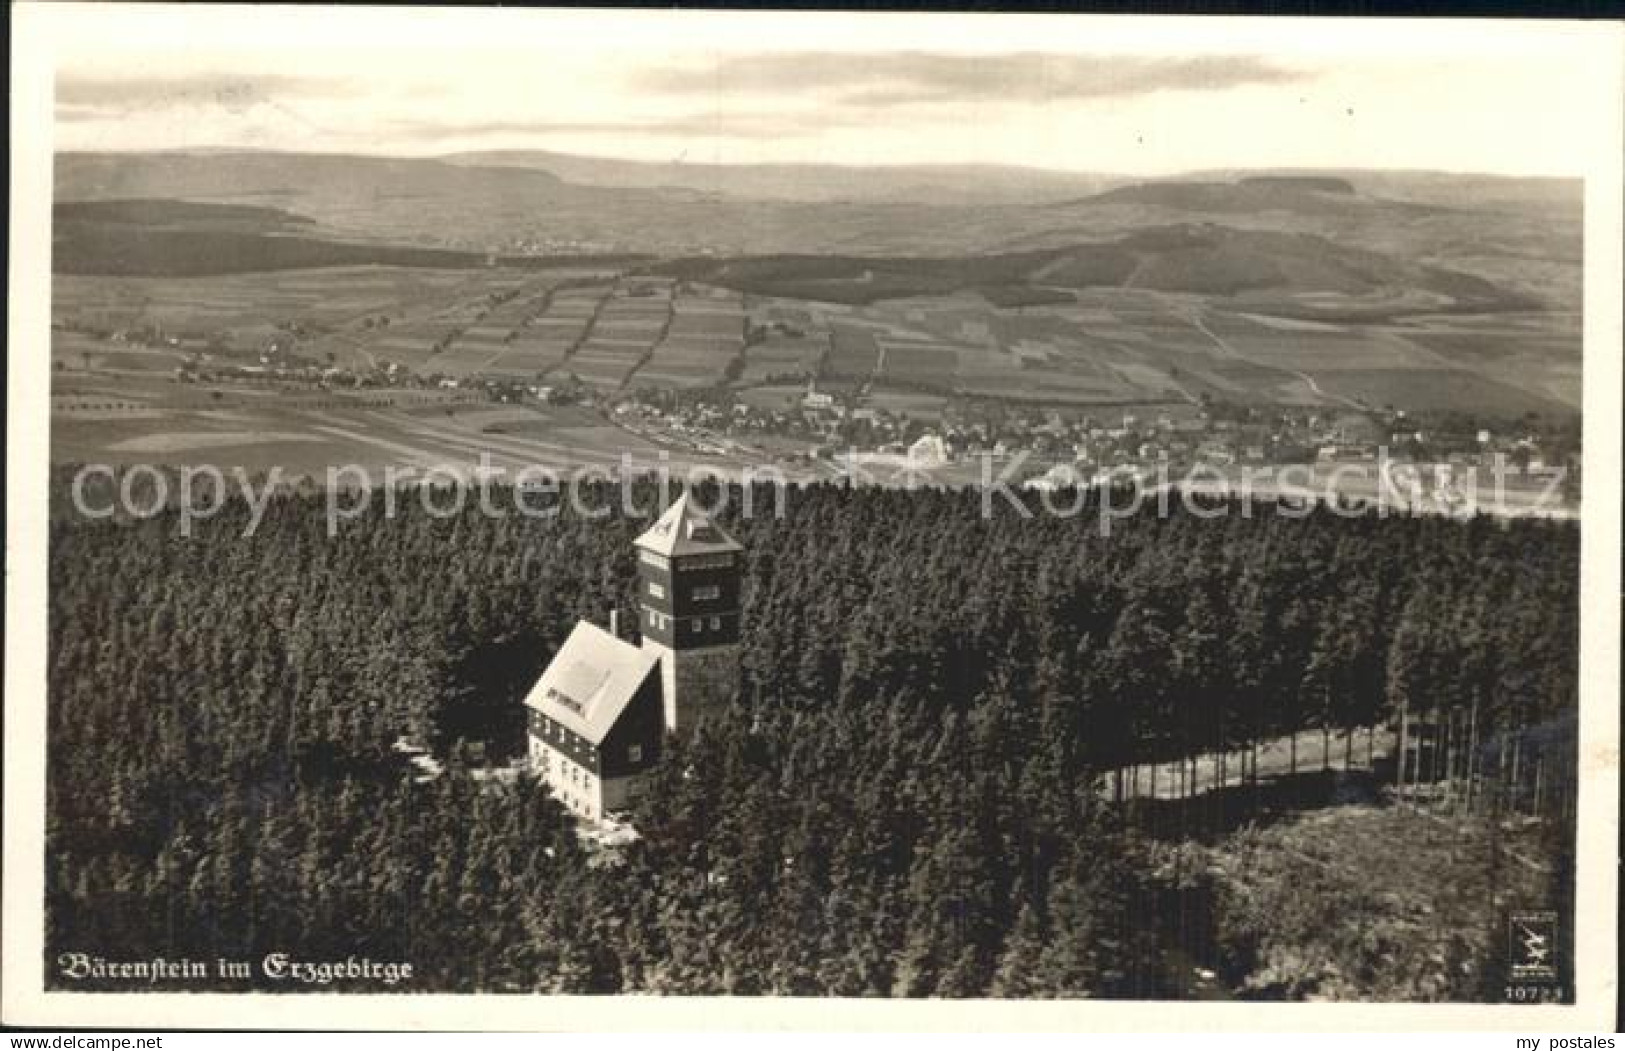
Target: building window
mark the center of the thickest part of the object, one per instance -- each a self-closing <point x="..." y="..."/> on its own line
<point x="657" y="590"/>
<point x="697" y="624"/>
<point x="649" y="558"/>
<point x="716" y="623"/>
<point x="707" y="592"/>
<point x="634" y="754"/>
<point x="707" y="562"/>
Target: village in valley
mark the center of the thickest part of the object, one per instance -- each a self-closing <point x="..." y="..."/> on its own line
<point x="779" y="397"/>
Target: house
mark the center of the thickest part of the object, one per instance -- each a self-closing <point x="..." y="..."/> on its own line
<point x="1346" y="453"/>
<point x="1353" y="428"/>
<point x="600" y="713"/>
<point x="1061" y="476"/>
<point x="817" y="400"/>
<point x="596" y="721"/>
<point x="928" y="451"/>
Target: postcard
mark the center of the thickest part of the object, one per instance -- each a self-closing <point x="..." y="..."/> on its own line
<point x="570" y="519"/>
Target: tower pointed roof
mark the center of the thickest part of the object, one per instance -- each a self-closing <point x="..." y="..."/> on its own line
<point x="686" y="530"/>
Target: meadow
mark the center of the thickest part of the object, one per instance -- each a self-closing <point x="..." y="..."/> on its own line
<point x="303" y="434"/>
<point x="122" y="339"/>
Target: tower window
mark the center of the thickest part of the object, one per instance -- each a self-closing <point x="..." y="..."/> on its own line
<point x="707" y="592"/>
<point x="707" y="562"/>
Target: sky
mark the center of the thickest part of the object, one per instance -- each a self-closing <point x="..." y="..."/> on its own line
<point x="1117" y="95"/>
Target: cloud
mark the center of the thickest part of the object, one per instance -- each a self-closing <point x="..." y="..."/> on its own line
<point x="80" y="97"/>
<point x="730" y="125"/>
<point x="760" y="99"/>
<point x="908" y="77"/>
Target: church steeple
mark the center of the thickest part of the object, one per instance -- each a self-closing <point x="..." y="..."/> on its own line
<point x="689" y="574"/>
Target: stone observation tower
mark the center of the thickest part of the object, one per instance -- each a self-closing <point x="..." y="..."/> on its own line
<point x="599" y="713"/>
<point x="689" y="573"/>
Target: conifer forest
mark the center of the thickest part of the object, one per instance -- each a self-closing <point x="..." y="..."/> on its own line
<point x="1234" y="755"/>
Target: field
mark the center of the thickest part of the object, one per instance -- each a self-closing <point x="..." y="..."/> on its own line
<point x="779" y="356"/>
<point x="129" y="420"/>
<point x="1101" y="346"/>
<point x="361" y="316"/>
<point x="773" y="397"/>
<point x="1536" y="353"/>
<point x="854" y="354"/>
<point x="1181" y="290"/>
<point x="962" y="344"/>
<point x="913" y="404"/>
<point x="703" y="334"/>
<point x="1154" y="293"/>
<point x="252" y="303"/>
<point x="618" y="338"/>
<point x="1443" y="389"/>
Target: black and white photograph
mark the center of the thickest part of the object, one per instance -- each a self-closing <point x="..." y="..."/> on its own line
<point x="1022" y="512"/>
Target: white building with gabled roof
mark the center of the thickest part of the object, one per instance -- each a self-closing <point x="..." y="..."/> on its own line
<point x="596" y="721"/>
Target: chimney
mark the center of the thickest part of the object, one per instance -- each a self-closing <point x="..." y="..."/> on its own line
<point x="615" y="623"/>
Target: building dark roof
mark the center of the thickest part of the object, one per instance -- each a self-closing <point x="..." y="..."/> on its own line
<point x="590" y="682"/>
<point x="686" y="530"/>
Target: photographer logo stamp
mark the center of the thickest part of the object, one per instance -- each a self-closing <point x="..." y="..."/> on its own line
<point x="1532" y="946"/>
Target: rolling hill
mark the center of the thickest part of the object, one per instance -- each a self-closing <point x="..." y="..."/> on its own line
<point x="431" y="202"/>
<point x="157" y="237"/>
<point x="1252" y="194"/>
<point x="960" y="183"/>
<point x="1523" y="235"/>
<point x="101" y="176"/>
<point x="1376" y="286"/>
<point x="1208" y="260"/>
<point x="153" y="237"/>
